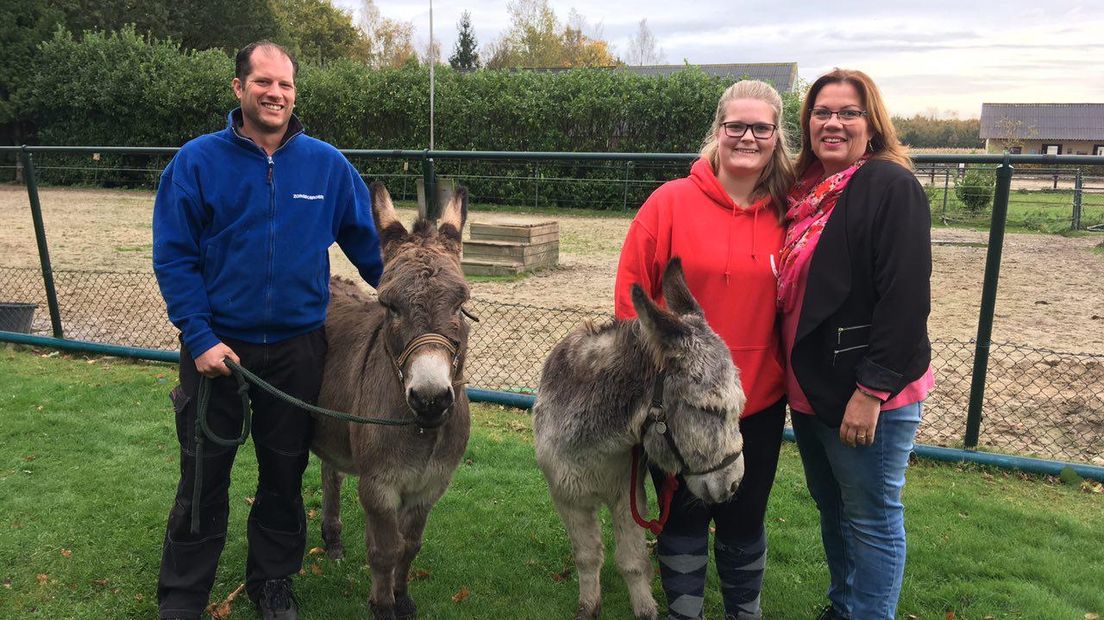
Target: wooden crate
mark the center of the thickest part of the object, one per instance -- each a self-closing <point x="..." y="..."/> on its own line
<point x="509" y="248"/>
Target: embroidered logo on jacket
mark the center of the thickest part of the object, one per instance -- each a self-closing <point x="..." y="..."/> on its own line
<point x="309" y="196"/>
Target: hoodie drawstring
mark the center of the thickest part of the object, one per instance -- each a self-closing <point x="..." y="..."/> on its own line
<point x="754" y="231"/>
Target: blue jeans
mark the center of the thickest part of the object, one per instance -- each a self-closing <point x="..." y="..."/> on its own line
<point x="862" y="520"/>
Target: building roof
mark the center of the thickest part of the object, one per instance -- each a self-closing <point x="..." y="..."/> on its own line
<point x="781" y="75"/>
<point x="1042" y="121"/>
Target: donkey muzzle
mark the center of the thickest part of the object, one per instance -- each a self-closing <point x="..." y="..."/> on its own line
<point x="430" y="406"/>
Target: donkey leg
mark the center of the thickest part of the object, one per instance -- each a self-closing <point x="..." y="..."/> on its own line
<point x="581" y="522"/>
<point x="384" y="543"/>
<point x="412" y="521"/>
<point x="632" y="559"/>
<point x="331" y="511"/>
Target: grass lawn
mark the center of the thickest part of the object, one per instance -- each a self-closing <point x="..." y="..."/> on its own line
<point x="1028" y="211"/>
<point x="88" y="467"/>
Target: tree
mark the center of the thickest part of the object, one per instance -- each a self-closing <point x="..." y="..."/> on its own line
<point x="387" y="42"/>
<point x="643" y="48"/>
<point x="320" y="31"/>
<point x="195" y="24"/>
<point x="23" y="25"/>
<point x="465" y="55"/>
<point x="536" y="40"/>
<point x="581" y="49"/>
<point x="532" y="39"/>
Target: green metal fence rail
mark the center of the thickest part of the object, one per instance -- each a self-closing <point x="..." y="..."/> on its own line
<point x="1017" y="400"/>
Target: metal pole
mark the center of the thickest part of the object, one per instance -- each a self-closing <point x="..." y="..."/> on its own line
<point x="1078" y="188"/>
<point x="988" y="302"/>
<point x="946" y="188"/>
<point x="432" y="57"/>
<point x="625" y="192"/>
<point x="40" y="238"/>
<point x="429" y="184"/>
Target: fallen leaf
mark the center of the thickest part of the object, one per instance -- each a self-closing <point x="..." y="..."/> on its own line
<point x="950" y="615"/>
<point x="461" y="595"/>
<point x="316" y="551"/>
<point x="65" y="553"/>
<point x="222" y="610"/>
<point x="419" y="574"/>
<point x="29" y="457"/>
<point x="1092" y="616"/>
<point x="912" y="617"/>
<point x="562" y="575"/>
<point x="7" y="583"/>
<point x="250" y="500"/>
<point x="100" y="583"/>
<point x="311" y="514"/>
<point x="139" y="597"/>
<point x="42" y="578"/>
<point x="316" y="568"/>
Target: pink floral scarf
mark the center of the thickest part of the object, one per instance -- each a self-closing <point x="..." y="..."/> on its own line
<point x="811" y="202"/>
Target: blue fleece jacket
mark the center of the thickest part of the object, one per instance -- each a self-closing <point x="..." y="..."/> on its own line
<point x="241" y="239"/>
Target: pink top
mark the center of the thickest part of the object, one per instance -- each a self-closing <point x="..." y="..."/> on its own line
<point x="913" y="392"/>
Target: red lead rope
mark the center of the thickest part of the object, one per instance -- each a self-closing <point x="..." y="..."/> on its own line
<point x="666" y="494"/>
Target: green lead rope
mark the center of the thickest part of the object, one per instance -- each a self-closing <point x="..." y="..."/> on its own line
<point x="244" y="378"/>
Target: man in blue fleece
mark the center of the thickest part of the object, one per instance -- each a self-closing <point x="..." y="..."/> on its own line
<point x="242" y="224"/>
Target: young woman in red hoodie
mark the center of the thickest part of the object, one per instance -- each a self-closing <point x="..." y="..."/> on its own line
<point x="725" y="221"/>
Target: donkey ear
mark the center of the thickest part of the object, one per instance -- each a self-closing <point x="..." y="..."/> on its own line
<point x="660" y="325"/>
<point x="678" y="296"/>
<point x="388" y="226"/>
<point x="454" y="215"/>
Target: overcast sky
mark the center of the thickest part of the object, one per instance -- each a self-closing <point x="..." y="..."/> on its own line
<point x="943" y="56"/>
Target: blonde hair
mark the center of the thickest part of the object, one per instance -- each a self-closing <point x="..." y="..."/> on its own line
<point x="883" y="141"/>
<point x="778" y="175"/>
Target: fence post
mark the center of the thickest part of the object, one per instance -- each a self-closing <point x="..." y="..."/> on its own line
<point x="625" y="196"/>
<point x="1078" y="188"/>
<point x="988" y="302"/>
<point x="536" y="183"/>
<point x="429" y="184"/>
<point x="40" y="239"/>
<point x="946" y="188"/>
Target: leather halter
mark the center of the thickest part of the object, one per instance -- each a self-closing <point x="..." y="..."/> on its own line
<point x="657" y="419"/>
<point x="420" y="341"/>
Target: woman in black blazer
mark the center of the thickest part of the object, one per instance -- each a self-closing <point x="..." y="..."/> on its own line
<point x="854" y="292"/>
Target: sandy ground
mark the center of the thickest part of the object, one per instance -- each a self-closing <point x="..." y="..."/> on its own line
<point x="1051" y="292"/>
<point x="1050" y="298"/>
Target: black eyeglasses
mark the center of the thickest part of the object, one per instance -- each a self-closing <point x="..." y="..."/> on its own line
<point x="845" y="116"/>
<point x="737" y="129"/>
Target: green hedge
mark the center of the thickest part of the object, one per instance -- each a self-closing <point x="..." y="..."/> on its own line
<point x="122" y="89"/>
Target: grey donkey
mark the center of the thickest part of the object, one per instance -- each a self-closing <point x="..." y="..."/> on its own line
<point x="598" y="398"/>
<point x="400" y="356"/>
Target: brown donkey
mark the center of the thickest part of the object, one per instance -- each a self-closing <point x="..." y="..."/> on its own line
<point x="399" y="357"/>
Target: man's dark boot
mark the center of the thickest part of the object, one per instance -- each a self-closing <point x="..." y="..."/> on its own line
<point x="277" y="601"/>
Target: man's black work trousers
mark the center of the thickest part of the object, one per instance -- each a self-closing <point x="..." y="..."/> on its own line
<point x="281" y="435"/>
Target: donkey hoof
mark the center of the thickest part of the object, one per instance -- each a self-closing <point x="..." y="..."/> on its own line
<point x="379" y="612"/>
<point x="405" y="609"/>
<point x="335" y="552"/>
<point x="582" y="613"/>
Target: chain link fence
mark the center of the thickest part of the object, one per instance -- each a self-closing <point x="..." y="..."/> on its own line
<point x="1038" y="403"/>
<point x="1051" y="200"/>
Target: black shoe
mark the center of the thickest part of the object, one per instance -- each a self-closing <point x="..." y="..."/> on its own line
<point x="277" y="601"/>
<point x="830" y="613"/>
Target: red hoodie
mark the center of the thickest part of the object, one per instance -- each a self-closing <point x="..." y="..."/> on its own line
<point x="728" y="256"/>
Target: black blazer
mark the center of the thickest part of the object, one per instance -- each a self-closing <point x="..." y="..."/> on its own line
<point x="865" y="313"/>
